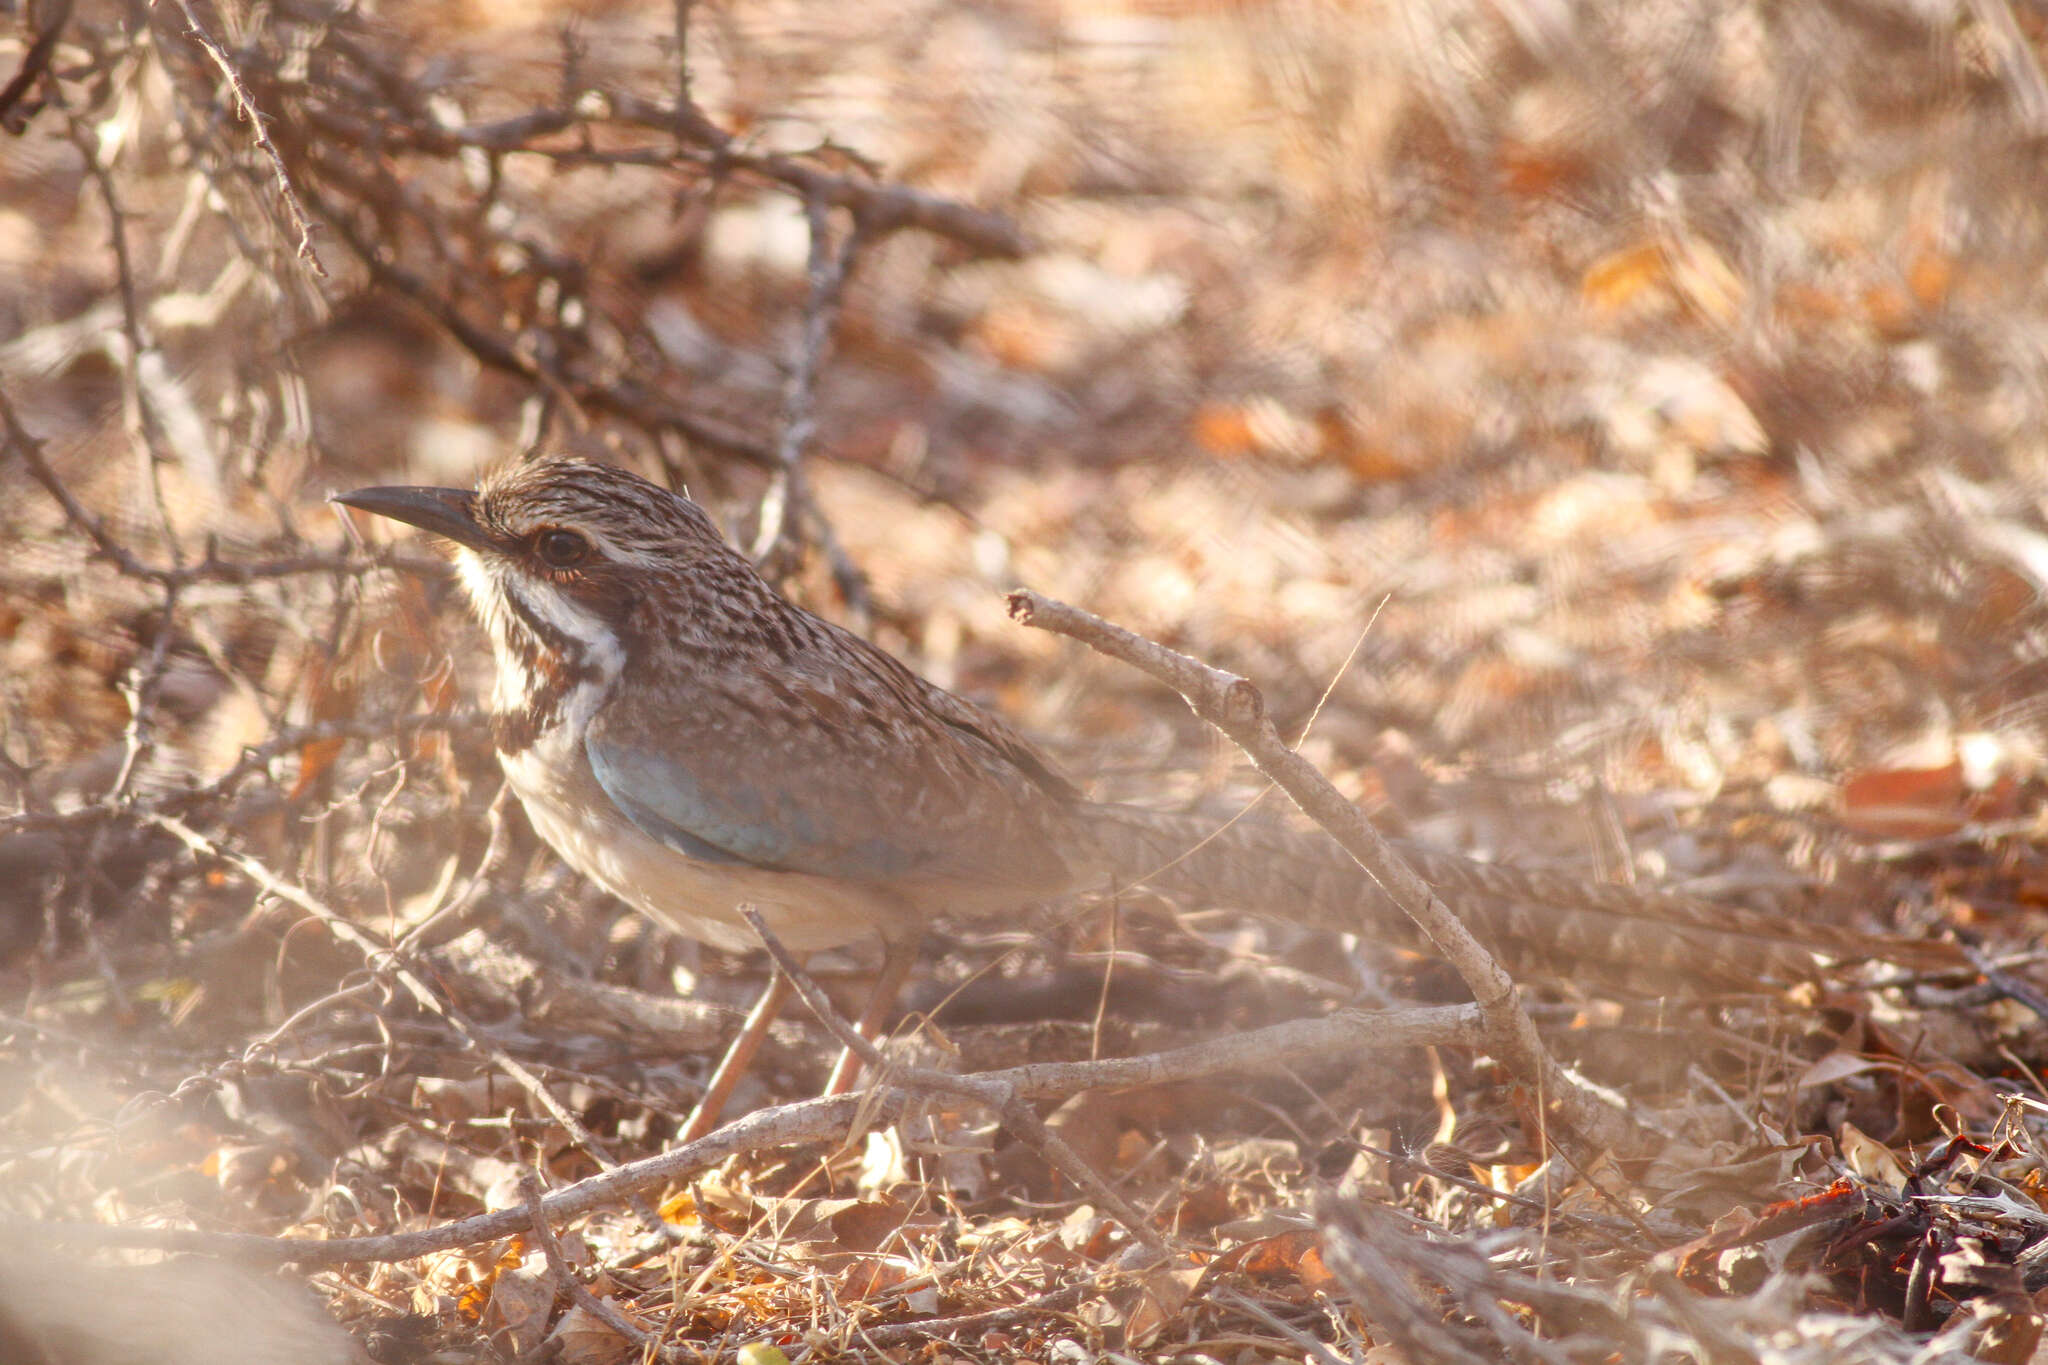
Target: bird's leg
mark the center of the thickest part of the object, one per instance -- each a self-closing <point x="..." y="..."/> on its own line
<point x="898" y="957"/>
<point x="738" y="1057"/>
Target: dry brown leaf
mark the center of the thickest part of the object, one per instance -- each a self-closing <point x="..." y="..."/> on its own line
<point x="464" y="1276"/>
<point x="1087" y="1233"/>
<point x="1110" y="1128"/>
<point x="1650" y="277"/>
<point x="1871" y="1159"/>
<point x="584" y="1338"/>
<point x="1203" y="1205"/>
<point x="1223" y="429"/>
<point x="1162" y="1292"/>
<point x="869" y="1276"/>
<point x="824" y="1225"/>
<point x="315" y="758"/>
<point x="1274" y="1257"/>
<point x="679" y="1208"/>
<point x="516" y="1315"/>
<point x="449" y="1099"/>
<point x="1839" y="1066"/>
<point x="1618" y="280"/>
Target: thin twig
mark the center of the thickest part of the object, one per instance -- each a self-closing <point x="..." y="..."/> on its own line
<point x="255" y="759"/>
<point x="259" y="132"/>
<point x="886" y="208"/>
<point x="1234" y="706"/>
<point x="1002" y="1098"/>
<point x="1311" y="1348"/>
<point x="390" y="961"/>
<point x="2005" y="983"/>
<point x="209" y="569"/>
<point x="990" y="1319"/>
<point x="565" y="1279"/>
<point x="618" y="394"/>
<point x="34" y="63"/>
<point x="814" y="1121"/>
<point x="789" y="507"/>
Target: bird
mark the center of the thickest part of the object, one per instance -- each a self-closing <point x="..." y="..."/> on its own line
<point x="692" y="741"/>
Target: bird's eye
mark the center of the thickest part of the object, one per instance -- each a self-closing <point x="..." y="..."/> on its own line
<point x="560" y="549"/>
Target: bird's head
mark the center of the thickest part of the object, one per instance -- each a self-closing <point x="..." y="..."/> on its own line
<point x="556" y="555"/>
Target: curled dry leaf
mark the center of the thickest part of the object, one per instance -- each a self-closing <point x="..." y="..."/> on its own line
<point x="515" y="1317"/>
<point x="584" y="1338"/>
<point x="1871" y="1159"/>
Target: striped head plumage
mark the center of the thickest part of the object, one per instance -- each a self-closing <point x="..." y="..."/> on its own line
<point x="560" y="559"/>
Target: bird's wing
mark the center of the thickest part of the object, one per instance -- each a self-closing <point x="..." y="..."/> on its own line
<point x="740" y="814"/>
<point x="820" y="773"/>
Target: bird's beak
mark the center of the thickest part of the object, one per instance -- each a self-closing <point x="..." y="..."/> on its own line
<point x="449" y="512"/>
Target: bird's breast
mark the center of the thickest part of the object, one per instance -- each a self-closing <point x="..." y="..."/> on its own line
<point x="698" y="899"/>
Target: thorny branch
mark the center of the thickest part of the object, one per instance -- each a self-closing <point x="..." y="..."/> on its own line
<point x="245" y="107"/>
<point x="788" y="503"/>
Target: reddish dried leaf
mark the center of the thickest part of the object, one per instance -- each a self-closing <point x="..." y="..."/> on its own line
<point x="869" y="1276"/>
<point x="1904" y="803"/>
<point x="1276" y="1257"/>
<point x="315" y="758"/>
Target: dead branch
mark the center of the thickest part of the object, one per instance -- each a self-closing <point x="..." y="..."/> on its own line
<point x="210" y="568"/>
<point x="34" y="63"/>
<point x="995" y="1095"/>
<point x="565" y="1279"/>
<point x="1234" y="706"/>
<point x="824" y="1120"/>
<point x="245" y="107"/>
<point x="788" y="507"/>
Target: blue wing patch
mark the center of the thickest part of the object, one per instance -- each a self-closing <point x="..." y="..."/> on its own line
<point x="737" y="825"/>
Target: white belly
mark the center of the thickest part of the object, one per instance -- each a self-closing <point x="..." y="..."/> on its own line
<point x="694" y="898"/>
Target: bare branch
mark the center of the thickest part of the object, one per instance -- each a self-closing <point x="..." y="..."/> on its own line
<point x="1234" y="706"/>
<point x="34" y="63"/>
<point x="211" y="568"/>
<point x="789" y="506"/>
<point x="259" y="132"/>
<point x="824" y="1120"/>
<point x="566" y="1281"/>
<point x="1003" y="1099"/>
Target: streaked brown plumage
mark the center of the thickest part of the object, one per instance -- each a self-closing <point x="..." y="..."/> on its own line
<point x="691" y="740"/>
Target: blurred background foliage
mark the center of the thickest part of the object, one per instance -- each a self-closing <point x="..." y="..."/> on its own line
<point x="1632" y="415"/>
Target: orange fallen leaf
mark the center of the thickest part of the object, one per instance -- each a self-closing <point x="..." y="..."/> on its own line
<point x="1223" y="429"/>
<point x="1904" y="803"/>
<point x="315" y="757"/>
<point x="1275" y="1257"/>
<point x="1617" y="280"/>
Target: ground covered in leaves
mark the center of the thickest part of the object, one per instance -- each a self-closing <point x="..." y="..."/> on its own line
<point x="1612" y="435"/>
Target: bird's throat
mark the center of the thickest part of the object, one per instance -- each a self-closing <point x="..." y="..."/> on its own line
<point x="561" y="698"/>
<point x="556" y="663"/>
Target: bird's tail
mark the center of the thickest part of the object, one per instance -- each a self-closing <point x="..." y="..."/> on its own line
<point x="1539" y="924"/>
